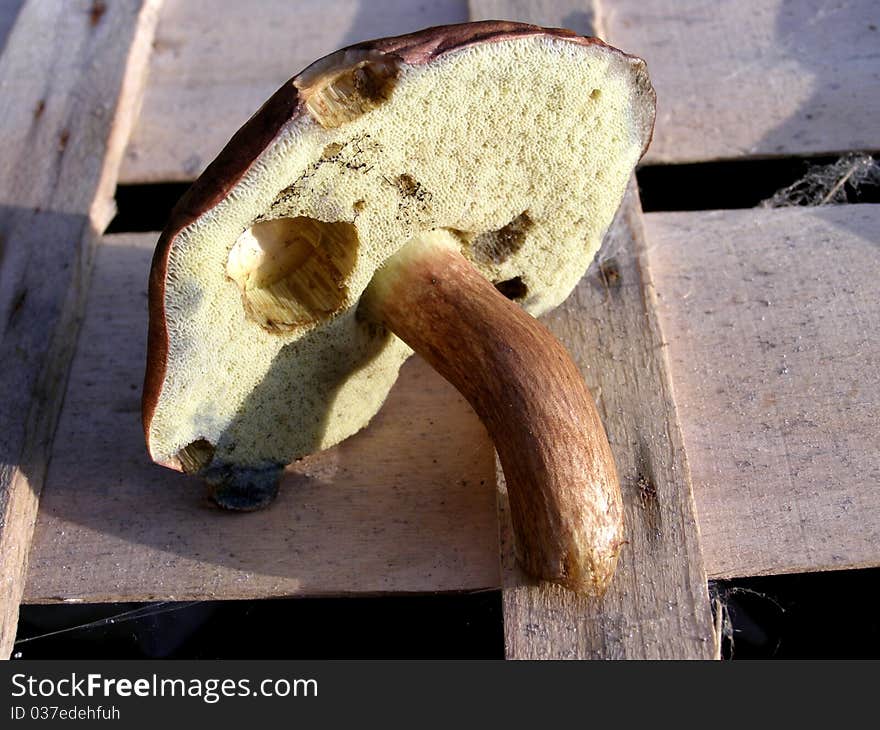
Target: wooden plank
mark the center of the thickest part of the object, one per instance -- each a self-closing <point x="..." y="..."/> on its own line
<point x="755" y="77"/>
<point x="749" y="78"/>
<point x="71" y="75"/>
<point x="106" y="515"/>
<point x="189" y="562"/>
<point x="207" y="78"/>
<point x="773" y="324"/>
<point x="581" y="16"/>
<point x="406" y="505"/>
<point x="657" y="605"/>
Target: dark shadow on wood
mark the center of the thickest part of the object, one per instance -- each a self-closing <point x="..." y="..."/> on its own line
<point x="8" y="14"/>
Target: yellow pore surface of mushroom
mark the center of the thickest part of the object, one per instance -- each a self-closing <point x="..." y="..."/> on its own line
<point x="520" y="148"/>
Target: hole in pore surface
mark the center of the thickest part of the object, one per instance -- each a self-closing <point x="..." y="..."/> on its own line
<point x="293" y="272"/>
<point x="495" y="247"/>
<point x="196" y="456"/>
<point x="514" y="288"/>
<point x="336" y="94"/>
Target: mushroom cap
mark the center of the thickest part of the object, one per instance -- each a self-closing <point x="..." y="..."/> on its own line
<point x="516" y="140"/>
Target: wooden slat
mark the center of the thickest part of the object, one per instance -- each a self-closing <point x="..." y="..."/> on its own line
<point x="112" y="516"/>
<point x="657" y="606"/>
<point x="71" y="80"/>
<point x="406" y="505"/>
<point x="216" y="61"/>
<point x="773" y="324"/>
<point x="750" y="500"/>
<point x="733" y="79"/>
<point x="755" y="77"/>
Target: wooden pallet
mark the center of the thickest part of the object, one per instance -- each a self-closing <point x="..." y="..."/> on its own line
<point x="733" y="354"/>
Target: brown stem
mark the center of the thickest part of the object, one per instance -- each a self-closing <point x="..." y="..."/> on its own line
<point x="565" y="501"/>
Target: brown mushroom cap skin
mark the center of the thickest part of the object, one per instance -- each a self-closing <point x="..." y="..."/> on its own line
<point x="259" y="132"/>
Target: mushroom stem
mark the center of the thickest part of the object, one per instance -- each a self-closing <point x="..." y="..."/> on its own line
<point x="565" y="502"/>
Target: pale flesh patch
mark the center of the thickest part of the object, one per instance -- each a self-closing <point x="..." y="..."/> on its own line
<point x="293" y="272"/>
<point x="335" y="95"/>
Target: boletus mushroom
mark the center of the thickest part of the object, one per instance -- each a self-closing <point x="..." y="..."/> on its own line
<point x="430" y="192"/>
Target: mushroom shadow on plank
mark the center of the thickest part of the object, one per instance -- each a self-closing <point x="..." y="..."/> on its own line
<point x="372" y="514"/>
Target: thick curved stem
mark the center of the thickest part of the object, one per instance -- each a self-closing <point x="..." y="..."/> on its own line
<point x="565" y="501"/>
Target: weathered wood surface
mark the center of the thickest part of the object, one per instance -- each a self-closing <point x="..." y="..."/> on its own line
<point x="749" y="78"/>
<point x="657" y="605"/>
<point x="215" y="62"/>
<point x="758" y="513"/>
<point x="581" y="16"/>
<point x="773" y="324"/>
<point x="356" y="519"/>
<point x="406" y="505"/>
<point x="755" y="77"/>
<point x="71" y="79"/>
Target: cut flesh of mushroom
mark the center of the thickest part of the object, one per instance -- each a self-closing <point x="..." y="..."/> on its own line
<point x="498" y="150"/>
<point x="292" y="271"/>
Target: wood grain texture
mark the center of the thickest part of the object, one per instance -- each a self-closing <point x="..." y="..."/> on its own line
<point x="406" y="505"/>
<point x="755" y="78"/>
<point x="581" y="16"/>
<point x="750" y="78"/>
<point x="108" y="514"/>
<point x="657" y="605"/>
<point x="772" y="319"/>
<point x="71" y="80"/>
<point x="216" y="61"/>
